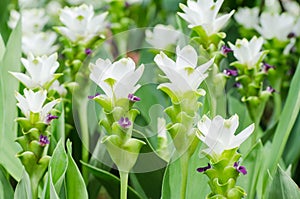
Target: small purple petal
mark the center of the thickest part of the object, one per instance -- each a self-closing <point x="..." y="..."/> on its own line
<point x="270" y="89"/>
<point x="238" y="85"/>
<point x="124" y="122"/>
<point x="50" y="117"/>
<point x="266" y="67"/>
<point x="133" y="98"/>
<point x="203" y="169"/>
<point x="93" y="96"/>
<point x="230" y="72"/>
<point x="88" y="51"/>
<point x="225" y="50"/>
<point x="242" y="170"/>
<point x="291" y="35"/>
<point x="43" y="140"/>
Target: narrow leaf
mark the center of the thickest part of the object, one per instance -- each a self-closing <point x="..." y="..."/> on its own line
<point x="7" y="191"/>
<point x="23" y="189"/>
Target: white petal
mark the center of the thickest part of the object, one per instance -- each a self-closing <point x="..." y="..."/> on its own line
<point x="47" y="108"/>
<point x="27" y="81"/>
<point x="186" y="57"/>
<point x="242" y="136"/>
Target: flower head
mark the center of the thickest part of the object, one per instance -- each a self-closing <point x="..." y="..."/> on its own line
<point x="240" y="169"/>
<point x="44" y="140"/>
<point x="184" y="74"/>
<point x="273" y="25"/>
<point x="218" y="134"/>
<point x="80" y="23"/>
<point x="124" y="122"/>
<point x="40" y="70"/>
<point x="116" y="79"/>
<point x="230" y="72"/>
<point x="33" y="102"/>
<point x="162" y="36"/>
<point x="247" y="17"/>
<point x="204" y="13"/>
<point x="248" y="52"/>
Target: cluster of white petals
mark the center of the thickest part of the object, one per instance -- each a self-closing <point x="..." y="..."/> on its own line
<point x="40" y="70"/>
<point x="247" y="17"/>
<point x="162" y="36"/>
<point x="33" y="102"/>
<point x="184" y="74"/>
<point x="81" y="24"/>
<point x="218" y="134"/>
<point x="248" y="52"/>
<point x="204" y="13"/>
<point x="116" y="79"/>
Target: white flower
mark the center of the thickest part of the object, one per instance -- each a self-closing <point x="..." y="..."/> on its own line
<point x="62" y="91"/>
<point x="33" y="103"/>
<point x="248" y="52"/>
<point x="13" y="19"/>
<point x="275" y="26"/>
<point x="80" y="23"/>
<point x="218" y="134"/>
<point x="40" y="69"/>
<point x="204" y="13"/>
<point x="53" y="8"/>
<point x="247" y="17"/>
<point x="184" y="75"/>
<point x="116" y="79"/>
<point x="162" y="36"/>
<point x="292" y="7"/>
<point x="33" y="20"/>
<point x="39" y="44"/>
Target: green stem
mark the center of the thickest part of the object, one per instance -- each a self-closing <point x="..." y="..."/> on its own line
<point x="184" y="160"/>
<point x="124" y="184"/>
<point x="83" y="121"/>
<point x="34" y="188"/>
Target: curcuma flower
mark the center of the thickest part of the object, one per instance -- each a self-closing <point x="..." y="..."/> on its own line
<point x="40" y="71"/>
<point x="247" y="17"/>
<point x="184" y="74"/>
<point x="275" y="26"/>
<point x="118" y="79"/>
<point x="218" y="134"/>
<point x="248" y="53"/>
<point x="39" y="44"/>
<point x="33" y="103"/>
<point x="81" y="24"/>
<point x="162" y="36"/>
<point x="204" y="13"/>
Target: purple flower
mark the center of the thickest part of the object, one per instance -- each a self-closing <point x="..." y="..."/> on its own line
<point x="230" y="72"/>
<point x="93" y="96"/>
<point x="270" y="89"/>
<point x="88" y="51"/>
<point x="124" y="122"/>
<point x="225" y="50"/>
<point x="240" y="169"/>
<point x="203" y="169"/>
<point x="291" y="35"/>
<point x="44" y="140"/>
<point x="50" y="117"/>
<point x="266" y="67"/>
<point x="133" y="98"/>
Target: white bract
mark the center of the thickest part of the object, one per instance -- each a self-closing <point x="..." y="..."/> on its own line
<point x="33" y="103"/>
<point x="162" y="36"/>
<point x="116" y="79"/>
<point x="204" y="13"/>
<point x="39" y="44"/>
<point x="275" y="26"/>
<point x="40" y="70"/>
<point x="248" y="52"/>
<point x="81" y="24"/>
<point x="218" y="134"/>
<point x="184" y="74"/>
<point x="247" y="17"/>
<point x="59" y="88"/>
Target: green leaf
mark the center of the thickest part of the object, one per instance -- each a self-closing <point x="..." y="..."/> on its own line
<point x="49" y="189"/>
<point x="74" y="182"/>
<point x="7" y="191"/>
<point x="283" y="186"/>
<point x="8" y="85"/>
<point x="58" y="130"/>
<point x="197" y="183"/>
<point x="23" y="189"/>
<point x="58" y="166"/>
<point x="2" y="48"/>
<point x="110" y="182"/>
